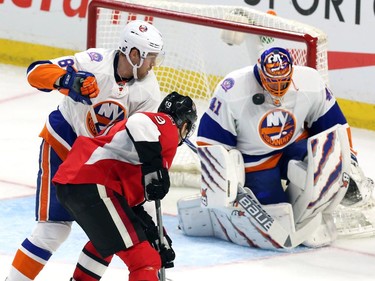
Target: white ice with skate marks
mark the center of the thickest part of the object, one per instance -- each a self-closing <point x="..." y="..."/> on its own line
<point x="23" y="111"/>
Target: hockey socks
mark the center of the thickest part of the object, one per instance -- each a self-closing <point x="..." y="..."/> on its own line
<point x="28" y="262"/>
<point x="91" y="266"/>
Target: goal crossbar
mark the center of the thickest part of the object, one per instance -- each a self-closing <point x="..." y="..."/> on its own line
<point x="310" y="41"/>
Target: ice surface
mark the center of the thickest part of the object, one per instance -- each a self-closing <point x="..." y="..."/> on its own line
<point x="23" y="111"/>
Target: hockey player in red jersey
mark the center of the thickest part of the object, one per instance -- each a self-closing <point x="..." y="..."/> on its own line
<point x="104" y="181"/>
<point x="101" y="86"/>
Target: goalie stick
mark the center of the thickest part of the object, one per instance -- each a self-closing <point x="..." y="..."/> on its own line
<point x="265" y="223"/>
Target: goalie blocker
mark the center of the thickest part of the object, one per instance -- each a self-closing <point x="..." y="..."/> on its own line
<point x="229" y="211"/>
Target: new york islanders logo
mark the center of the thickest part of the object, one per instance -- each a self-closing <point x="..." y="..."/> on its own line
<point x="106" y="113"/>
<point x="277" y="127"/>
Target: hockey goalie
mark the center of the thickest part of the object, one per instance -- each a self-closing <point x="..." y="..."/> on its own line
<point x="276" y="159"/>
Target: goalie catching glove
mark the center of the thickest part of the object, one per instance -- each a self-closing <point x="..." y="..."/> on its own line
<point x="360" y="187"/>
<point x="79" y="85"/>
<point x="156" y="182"/>
<point x="167" y="254"/>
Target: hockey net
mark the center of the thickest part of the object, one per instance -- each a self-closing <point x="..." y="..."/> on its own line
<point x="196" y="55"/>
<point x="202" y="44"/>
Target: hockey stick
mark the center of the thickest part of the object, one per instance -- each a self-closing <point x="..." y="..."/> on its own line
<point x="191" y="145"/>
<point x="161" y="234"/>
<point x="265" y="223"/>
<point x="94" y="120"/>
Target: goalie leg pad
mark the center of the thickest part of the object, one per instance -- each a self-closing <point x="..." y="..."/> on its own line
<point x="193" y="219"/>
<point x="232" y="224"/>
<point x="324" y="235"/>
<point x="222" y="172"/>
<point x="310" y="189"/>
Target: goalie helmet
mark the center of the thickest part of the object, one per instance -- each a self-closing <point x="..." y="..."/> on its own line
<point x="182" y="109"/>
<point x="275" y="70"/>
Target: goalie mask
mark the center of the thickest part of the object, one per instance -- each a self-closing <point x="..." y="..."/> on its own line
<point x="275" y="71"/>
<point x="183" y="111"/>
<point x="146" y="39"/>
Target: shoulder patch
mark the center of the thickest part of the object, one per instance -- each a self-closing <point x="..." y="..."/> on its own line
<point x="95" y="56"/>
<point x="227" y="84"/>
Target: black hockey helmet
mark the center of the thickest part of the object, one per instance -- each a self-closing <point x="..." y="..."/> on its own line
<point x="182" y="109"/>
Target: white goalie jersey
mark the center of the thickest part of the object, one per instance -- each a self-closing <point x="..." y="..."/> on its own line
<point x="236" y="119"/>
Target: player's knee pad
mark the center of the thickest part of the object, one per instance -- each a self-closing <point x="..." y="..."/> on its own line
<point x="50" y="235"/>
<point x="193" y="219"/>
<point x="141" y="268"/>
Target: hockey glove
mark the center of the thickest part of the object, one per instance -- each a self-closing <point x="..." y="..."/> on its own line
<point x="360" y="187"/>
<point x="81" y="85"/>
<point x="156" y="184"/>
<point x="167" y="254"/>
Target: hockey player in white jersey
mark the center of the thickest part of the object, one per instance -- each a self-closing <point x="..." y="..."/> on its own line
<point x="101" y="86"/>
<point x="276" y="129"/>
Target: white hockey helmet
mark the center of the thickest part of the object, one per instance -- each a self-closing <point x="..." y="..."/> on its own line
<point x="142" y="36"/>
